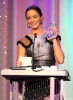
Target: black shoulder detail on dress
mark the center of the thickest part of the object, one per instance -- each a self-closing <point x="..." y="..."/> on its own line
<point x="20" y="42"/>
<point x="49" y="41"/>
<point x="29" y="38"/>
<point x="58" y="36"/>
<point x="24" y="44"/>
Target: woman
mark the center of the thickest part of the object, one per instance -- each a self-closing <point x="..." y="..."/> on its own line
<point x="46" y="52"/>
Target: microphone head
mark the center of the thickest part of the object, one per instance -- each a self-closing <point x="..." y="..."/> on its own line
<point x="35" y="35"/>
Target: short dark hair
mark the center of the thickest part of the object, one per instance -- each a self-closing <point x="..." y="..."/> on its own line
<point x="35" y="8"/>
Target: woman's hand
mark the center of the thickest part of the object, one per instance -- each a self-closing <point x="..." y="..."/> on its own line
<point x="55" y="29"/>
<point x="18" y="63"/>
<point x="52" y="33"/>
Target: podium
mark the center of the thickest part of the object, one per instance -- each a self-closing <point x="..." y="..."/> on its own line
<point x="15" y="75"/>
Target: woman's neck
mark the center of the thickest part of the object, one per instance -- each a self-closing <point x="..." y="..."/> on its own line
<point x="37" y="31"/>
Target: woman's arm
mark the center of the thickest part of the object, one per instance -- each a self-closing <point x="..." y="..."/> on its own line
<point x="21" y="53"/>
<point x="58" y="53"/>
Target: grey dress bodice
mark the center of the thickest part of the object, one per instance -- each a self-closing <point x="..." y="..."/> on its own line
<point x="43" y="51"/>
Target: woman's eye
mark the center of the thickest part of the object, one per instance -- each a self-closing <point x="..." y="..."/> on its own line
<point x="28" y="18"/>
<point x="35" y="16"/>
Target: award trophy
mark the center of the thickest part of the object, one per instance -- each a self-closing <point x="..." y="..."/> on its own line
<point x="50" y="33"/>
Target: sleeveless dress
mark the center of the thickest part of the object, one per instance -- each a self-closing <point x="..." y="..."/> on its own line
<point x="39" y="89"/>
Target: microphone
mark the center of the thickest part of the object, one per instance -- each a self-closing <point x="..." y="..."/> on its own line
<point x="35" y="36"/>
<point x="33" y="58"/>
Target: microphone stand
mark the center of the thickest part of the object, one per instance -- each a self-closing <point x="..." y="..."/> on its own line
<point x="33" y="58"/>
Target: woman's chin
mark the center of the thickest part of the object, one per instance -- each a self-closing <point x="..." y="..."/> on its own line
<point x="34" y="27"/>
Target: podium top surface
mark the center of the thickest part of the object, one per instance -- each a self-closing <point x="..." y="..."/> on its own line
<point x="61" y="74"/>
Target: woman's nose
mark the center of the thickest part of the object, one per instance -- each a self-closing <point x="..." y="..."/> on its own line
<point x="32" y="19"/>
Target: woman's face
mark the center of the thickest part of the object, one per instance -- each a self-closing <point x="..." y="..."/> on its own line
<point x="34" y="19"/>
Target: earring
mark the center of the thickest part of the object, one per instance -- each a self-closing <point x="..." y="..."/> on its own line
<point x="41" y="22"/>
<point x="28" y="26"/>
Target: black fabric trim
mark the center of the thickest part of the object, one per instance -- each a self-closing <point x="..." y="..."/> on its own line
<point x="29" y="38"/>
<point x="49" y="41"/>
<point x="23" y="43"/>
<point x="58" y="36"/>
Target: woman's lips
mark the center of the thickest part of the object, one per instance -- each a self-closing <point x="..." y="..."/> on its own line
<point x="33" y="24"/>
